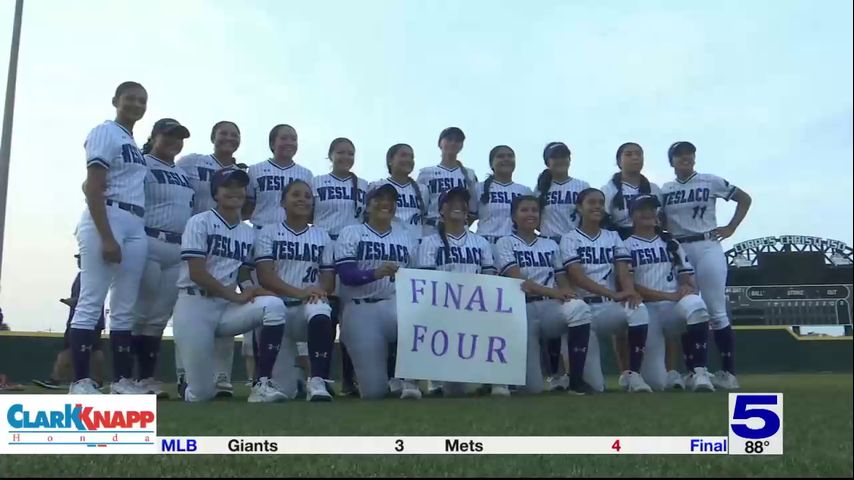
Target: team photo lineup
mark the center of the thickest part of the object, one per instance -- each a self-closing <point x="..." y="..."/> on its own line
<point x="292" y="261"/>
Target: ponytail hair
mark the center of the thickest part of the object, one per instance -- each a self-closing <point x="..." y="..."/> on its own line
<point x="354" y="180"/>
<point x="672" y="246"/>
<point x="443" y="234"/>
<point x="544" y="183"/>
<point x="146" y="147"/>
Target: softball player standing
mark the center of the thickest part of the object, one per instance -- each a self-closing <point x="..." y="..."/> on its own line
<point x="295" y="261"/>
<point x="269" y="178"/>
<point x="366" y="259"/>
<point x="111" y="239"/>
<point x="168" y="207"/>
<point x="449" y="173"/>
<point x="689" y="210"/>
<point x="339" y="201"/>
<point x="454" y="249"/>
<point x="494" y="195"/>
<point x="558" y="192"/>
<point x="217" y="251"/>
<point x="664" y="278"/>
<point x="411" y="207"/>
<point x="596" y="260"/>
<point x="225" y="137"/>
<point x="552" y="309"/>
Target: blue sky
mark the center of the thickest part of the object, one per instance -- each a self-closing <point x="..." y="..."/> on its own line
<point x="763" y="88"/>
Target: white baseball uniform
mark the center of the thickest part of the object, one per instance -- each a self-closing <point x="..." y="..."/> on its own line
<point x="541" y="262"/>
<point x="200" y="318"/>
<point x="199" y="169"/>
<point x="168" y="207"/>
<point x="493" y="216"/>
<point x="653" y="268"/>
<point x="298" y="258"/>
<point x="437" y="179"/>
<point x="334" y="207"/>
<point x="621" y="216"/>
<point x="598" y="256"/>
<point x="558" y="216"/>
<point x="689" y="207"/>
<point x="267" y="180"/>
<point x="370" y="317"/>
<point x="468" y="253"/>
<point x="409" y="212"/>
<point x="113" y="148"/>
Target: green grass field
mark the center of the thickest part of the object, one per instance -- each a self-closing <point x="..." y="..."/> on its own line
<point x="817" y="426"/>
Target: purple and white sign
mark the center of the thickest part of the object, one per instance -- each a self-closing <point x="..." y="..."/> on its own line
<point x="460" y="327"/>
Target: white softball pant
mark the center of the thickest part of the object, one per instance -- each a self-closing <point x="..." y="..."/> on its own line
<point x="607" y="319"/>
<point x="710" y="270"/>
<point x="549" y="319"/>
<point x="157" y="290"/>
<point x="286" y="373"/>
<point x="367" y="330"/>
<point x="666" y="320"/>
<point x="97" y="277"/>
<point x="198" y="321"/>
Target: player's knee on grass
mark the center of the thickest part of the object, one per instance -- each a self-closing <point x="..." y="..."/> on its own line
<point x="273" y="308"/>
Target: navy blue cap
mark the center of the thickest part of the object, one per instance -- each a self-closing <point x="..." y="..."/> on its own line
<point x="170" y="125"/>
<point x="555" y="150"/>
<point x="680" y="148"/>
<point x="385" y="189"/>
<point x="644" y="201"/>
<point x="452" y="132"/>
<point x="221" y="177"/>
<point x="454" y="192"/>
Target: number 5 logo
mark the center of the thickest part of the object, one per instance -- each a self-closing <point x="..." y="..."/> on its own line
<point x="751" y="406"/>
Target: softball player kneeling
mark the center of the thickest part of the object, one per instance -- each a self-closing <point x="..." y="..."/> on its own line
<point x="664" y="279"/>
<point x="593" y="257"/>
<point x="454" y="249"/>
<point x="217" y="249"/>
<point x="366" y="259"/>
<point x="295" y="260"/>
<point x="552" y="308"/>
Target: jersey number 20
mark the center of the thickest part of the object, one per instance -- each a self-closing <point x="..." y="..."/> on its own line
<point x="310" y="275"/>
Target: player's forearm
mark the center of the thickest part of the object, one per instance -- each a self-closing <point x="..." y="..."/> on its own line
<point x="270" y="281"/>
<point x="577" y="276"/>
<point x="211" y="285"/>
<point x="327" y="281"/>
<point x="624" y="275"/>
<point x="650" y="295"/>
<point x="96" y="203"/>
<point x="743" y="202"/>
<point x="352" y="276"/>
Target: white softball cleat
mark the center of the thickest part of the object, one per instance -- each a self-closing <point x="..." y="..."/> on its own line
<point x="725" y="380"/>
<point x="84" y="387"/>
<point x="410" y="391"/>
<point x="636" y="383"/>
<point x="126" y="386"/>
<point x="701" y="381"/>
<point x="434" y="388"/>
<point x="395" y="386"/>
<point x="152" y="387"/>
<point x="675" y="380"/>
<point x="623" y="381"/>
<point x="500" y="391"/>
<point x="224" y="388"/>
<point x="317" y="391"/>
<point x="560" y="383"/>
<point x="266" y="392"/>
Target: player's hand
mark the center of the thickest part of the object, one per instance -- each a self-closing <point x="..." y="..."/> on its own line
<point x="387" y="269"/>
<point x="629" y="298"/>
<point x="722" y="233"/>
<point x="244" y="296"/>
<point x="111" y="251"/>
<point x="563" y="295"/>
<point x="261" y="292"/>
<point x="313" y="294"/>
<point x="528" y="286"/>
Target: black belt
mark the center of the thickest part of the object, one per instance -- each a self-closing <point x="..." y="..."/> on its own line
<point x="359" y="301"/>
<point x="590" y="300"/>
<point x="293" y="303"/>
<point x="534" y="299"/>
<point x="134" y="209"/>
<point x="196" y="291"/>
<point x="694" y="238"/>
<point x="168" y="237"/>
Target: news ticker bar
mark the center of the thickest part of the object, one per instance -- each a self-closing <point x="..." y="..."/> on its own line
<point x="614" y="445"/>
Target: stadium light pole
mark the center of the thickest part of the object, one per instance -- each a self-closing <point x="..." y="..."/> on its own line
<point x="8" y="112"/>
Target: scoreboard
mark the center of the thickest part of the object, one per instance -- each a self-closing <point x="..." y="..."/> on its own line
<point x="790" y="280"/>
